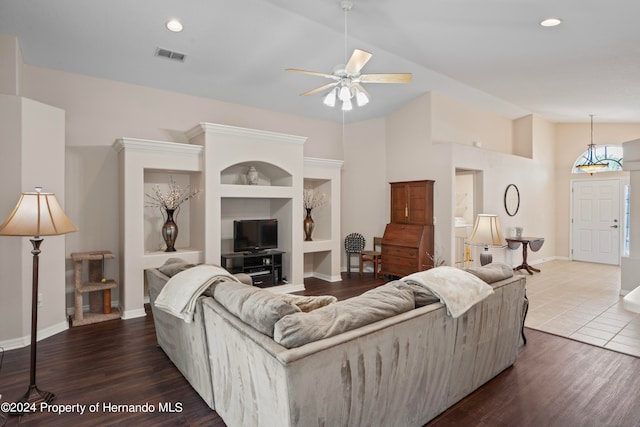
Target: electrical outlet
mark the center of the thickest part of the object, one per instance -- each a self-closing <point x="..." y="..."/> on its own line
<point x="39" y="299"/>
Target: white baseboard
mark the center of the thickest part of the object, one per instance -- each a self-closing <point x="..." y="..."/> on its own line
<point x="286" y="289"/>
<point x="325" y="277"/>
<point x="132" y="314"/>
<point x="541" y="260"/>
<point x="15" y="343"/>
<point x="72" y="310"/>
<point x="42" y="334"/>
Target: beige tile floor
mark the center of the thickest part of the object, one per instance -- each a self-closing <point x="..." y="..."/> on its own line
<point x="581" y="301"/>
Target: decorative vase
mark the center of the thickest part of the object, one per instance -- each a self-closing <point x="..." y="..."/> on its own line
<point x="308" y="226"/>
<point x="252" y="176"/>
<point x="170" y="231"/>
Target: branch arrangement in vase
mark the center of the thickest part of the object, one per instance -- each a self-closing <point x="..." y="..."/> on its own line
<point x="172" y="199"/>
<point x="313" y="199"/>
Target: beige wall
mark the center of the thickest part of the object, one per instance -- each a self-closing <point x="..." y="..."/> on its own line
<point x="10" y="66"/>
<point x="364" y="205"/>
<point x="454" y="121"/>
<point x="32" y="140"/>
<point x="99" y="111"/>
<point x="11" y="248"/>
<point x="408" y="141"/>
<point x="414" y="152"/>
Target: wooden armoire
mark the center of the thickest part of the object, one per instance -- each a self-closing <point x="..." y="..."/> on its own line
<point x="408" y="240"/>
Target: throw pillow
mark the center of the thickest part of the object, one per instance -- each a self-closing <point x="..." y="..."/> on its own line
<point x="491" y="273"/>
<point x="173" y="266"/>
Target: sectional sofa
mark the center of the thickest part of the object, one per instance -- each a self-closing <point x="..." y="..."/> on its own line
<point x="403" y="366"/>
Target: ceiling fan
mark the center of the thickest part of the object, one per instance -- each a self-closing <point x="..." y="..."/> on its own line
<point x="347" y="78"/>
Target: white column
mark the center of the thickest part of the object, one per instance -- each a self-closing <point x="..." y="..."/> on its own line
<point x="630" y="265"/>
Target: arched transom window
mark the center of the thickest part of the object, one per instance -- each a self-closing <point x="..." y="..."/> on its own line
<point x="609" y="154"/>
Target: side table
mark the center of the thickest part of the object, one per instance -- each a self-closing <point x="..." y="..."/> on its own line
<point x="535" y="243"/>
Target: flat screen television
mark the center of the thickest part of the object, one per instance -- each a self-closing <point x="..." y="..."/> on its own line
<point x="255" y="235"/>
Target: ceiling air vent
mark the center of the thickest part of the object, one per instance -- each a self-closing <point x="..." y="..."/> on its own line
<point x="165" y="53"/>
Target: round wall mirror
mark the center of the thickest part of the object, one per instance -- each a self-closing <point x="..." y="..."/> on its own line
<point x="511" y="200"/>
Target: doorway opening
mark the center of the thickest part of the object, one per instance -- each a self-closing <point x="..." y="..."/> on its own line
<point x="468" y="203"/>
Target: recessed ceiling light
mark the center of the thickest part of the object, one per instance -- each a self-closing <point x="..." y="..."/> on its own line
<point x="174" y="25"/>
<point x="551" y="22"/>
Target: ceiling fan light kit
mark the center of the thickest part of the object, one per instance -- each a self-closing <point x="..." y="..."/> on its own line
<point x="347" y="78"/>
<point x="361" y="97"/>
<point x="330" y="98"/>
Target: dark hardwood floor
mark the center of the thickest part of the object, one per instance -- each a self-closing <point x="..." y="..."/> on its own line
<point x="554" y="382"/>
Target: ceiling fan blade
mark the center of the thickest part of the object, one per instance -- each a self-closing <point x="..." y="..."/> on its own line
<point x="386" y="78"/>
<point x="358" y="60"/>
<point x="362" y="89"/>
<point x="320" y="89"/>
<point x="313" y="73"/>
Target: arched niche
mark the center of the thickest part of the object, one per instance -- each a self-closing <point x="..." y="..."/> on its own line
<point x="268" y="174"/>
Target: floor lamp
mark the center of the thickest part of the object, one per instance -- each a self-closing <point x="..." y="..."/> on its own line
<point x="486" y="232"/>
<point x="36" y="214"/>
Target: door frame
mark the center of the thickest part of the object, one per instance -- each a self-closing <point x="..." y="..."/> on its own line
<point x="623" y="182"/>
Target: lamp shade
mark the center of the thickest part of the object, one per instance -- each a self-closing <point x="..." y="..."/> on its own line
<point x="486" y="231"/>
<point x="37" y="214"/>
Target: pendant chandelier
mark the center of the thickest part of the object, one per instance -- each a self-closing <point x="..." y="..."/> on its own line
<point x="592" y="164"/>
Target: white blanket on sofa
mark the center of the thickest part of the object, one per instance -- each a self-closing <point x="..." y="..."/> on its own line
<point x="456" y="289"/>
<point x="178" y="297"/>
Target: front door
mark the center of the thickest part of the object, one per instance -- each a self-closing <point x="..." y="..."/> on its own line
<point x="596" y="221"/>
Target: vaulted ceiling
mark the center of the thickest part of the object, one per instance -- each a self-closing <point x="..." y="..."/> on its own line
<point x="490" y="53"/>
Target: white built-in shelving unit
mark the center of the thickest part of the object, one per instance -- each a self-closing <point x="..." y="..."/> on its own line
<point x="322" y="254"/>
<point x="216" y="161"/>
<point x="143" y="164"/>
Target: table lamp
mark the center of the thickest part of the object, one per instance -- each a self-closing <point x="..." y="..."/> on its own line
<point x="486" y="232"/>
<point x="36" y="214"/>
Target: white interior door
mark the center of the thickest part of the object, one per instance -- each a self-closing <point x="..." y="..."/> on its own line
<point x="596" y="221"/>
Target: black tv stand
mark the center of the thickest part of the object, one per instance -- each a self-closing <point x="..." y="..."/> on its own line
<point x="264" y="267"/>
<point x="260" y="252"/>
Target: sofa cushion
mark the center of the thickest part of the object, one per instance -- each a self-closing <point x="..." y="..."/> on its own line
<point x="491" y="273"/>
<point x="309" y="303"/>
<point x="173" y="266"/>
<point x="422" y="295"/>
<point x="376" y="304"/>
<point x="257" y="307"/>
